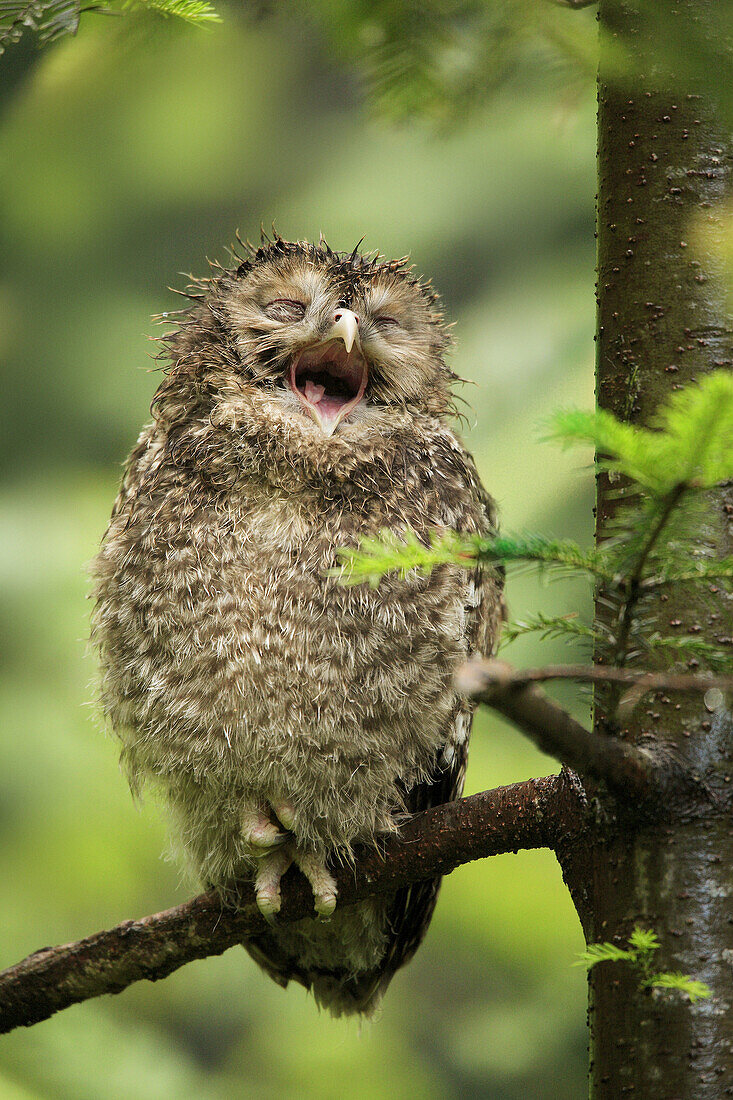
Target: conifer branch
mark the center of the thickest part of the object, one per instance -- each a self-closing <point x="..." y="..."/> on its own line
<point x="514" y="693"/>
<point x="538" y="813"/>
<point x="632" y="584"/>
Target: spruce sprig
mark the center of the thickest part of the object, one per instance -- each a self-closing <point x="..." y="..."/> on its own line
<point x="390" y="552"/>
<point x="690" y="443"/>
<point x="640" y="953"/>
<point x="548" y="626"/>
<point x="52" y="19"/>
<point x="49" y="19"/>
<point x="197" y="12"/>
<point x="702" y="570"/>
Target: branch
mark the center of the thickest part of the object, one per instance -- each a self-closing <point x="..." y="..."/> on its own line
<point x="623" y="767"/>
<point x="479" y="676"/>
<point x="538" y="813"/>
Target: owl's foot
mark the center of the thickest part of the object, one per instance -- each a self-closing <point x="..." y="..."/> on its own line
<point x="323" y="884"/>
<point x="271" y="868"/>
<point x="267" y="832"/>
<point x="284" y="811"/>
<point x="260" y="832"/>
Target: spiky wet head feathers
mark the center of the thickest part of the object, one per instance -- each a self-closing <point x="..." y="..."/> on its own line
<point x="245" y="325"/>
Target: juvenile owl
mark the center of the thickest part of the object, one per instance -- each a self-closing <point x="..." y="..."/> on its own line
<point x="286" y="717"/>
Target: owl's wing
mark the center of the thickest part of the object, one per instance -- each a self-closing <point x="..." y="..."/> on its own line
<point x="485" y="611"/>
<point x="412" y="908"/>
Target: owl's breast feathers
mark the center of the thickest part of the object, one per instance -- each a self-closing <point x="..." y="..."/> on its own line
<point x="230" y="656"/>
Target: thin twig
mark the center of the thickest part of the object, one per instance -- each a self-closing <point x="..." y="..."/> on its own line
<point x="477" y="676"/>
<point x="536" y="814"/>
<point x="634" y="581"/>
<point x="626" y="769"/>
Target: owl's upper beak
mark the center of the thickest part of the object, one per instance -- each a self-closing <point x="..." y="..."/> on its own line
<point x="330" y="378"/>
<point x="345" y="327"/>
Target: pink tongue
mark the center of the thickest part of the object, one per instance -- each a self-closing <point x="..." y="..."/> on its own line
<point x="314" y="392"/>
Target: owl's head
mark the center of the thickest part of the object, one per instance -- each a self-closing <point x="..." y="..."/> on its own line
<point x="319" y="344"/>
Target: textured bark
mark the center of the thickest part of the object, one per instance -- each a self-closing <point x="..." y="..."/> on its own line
<point x="539" y="813"/>
<point x="664" y="172"/>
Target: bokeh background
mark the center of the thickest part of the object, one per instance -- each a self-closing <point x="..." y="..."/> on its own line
<point x="128" y="155"/>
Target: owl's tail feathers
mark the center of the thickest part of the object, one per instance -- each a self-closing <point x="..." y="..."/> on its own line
<point x="339" y="991"/>
<point x="347" y="996"/>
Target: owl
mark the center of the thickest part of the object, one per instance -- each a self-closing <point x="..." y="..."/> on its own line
<point x="285" y="717"/>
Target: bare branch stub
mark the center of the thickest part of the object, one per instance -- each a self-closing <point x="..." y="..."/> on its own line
<point x="629" y="771"/>
<point x="481" y="675"/>
<point x="535" y="814"/>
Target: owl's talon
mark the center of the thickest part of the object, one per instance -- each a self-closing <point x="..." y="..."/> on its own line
<point x="323" y="884"/>
<point x="285" y="813"/>
<point x="272" y="867"/>
<point x="325" y="906"/>
<point x="268" y="838"/>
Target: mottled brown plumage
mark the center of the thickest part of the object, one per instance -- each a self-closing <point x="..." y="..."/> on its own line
<point x="285" y="717"/>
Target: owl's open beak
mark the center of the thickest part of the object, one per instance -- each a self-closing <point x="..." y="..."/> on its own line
<point x="329" y="379"/>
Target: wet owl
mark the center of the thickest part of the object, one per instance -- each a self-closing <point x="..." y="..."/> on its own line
<point x="283" y="716"/>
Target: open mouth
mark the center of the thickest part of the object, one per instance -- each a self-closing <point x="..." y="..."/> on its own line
<point x="329" y="382"/>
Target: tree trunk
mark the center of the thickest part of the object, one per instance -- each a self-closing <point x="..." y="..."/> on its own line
<point x="664" y="168"/>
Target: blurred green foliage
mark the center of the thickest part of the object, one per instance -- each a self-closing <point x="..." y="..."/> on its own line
<point x="439" y="58"/>
<point x="128" y="154"/>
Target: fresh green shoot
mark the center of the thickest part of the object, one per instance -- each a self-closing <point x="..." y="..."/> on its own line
<point x="197" y="12"/>
<point x="604" y="952"/>
<point x="548" y="626"/>
<point x="702" y="570"/>
<point x="403" y="555"/>
<point x="389" y="552"/>
<point x="683" y="983"/>
<point x="642" y="945"/>
<point x="691" y="442"/>
<point x="644" y="940"/>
